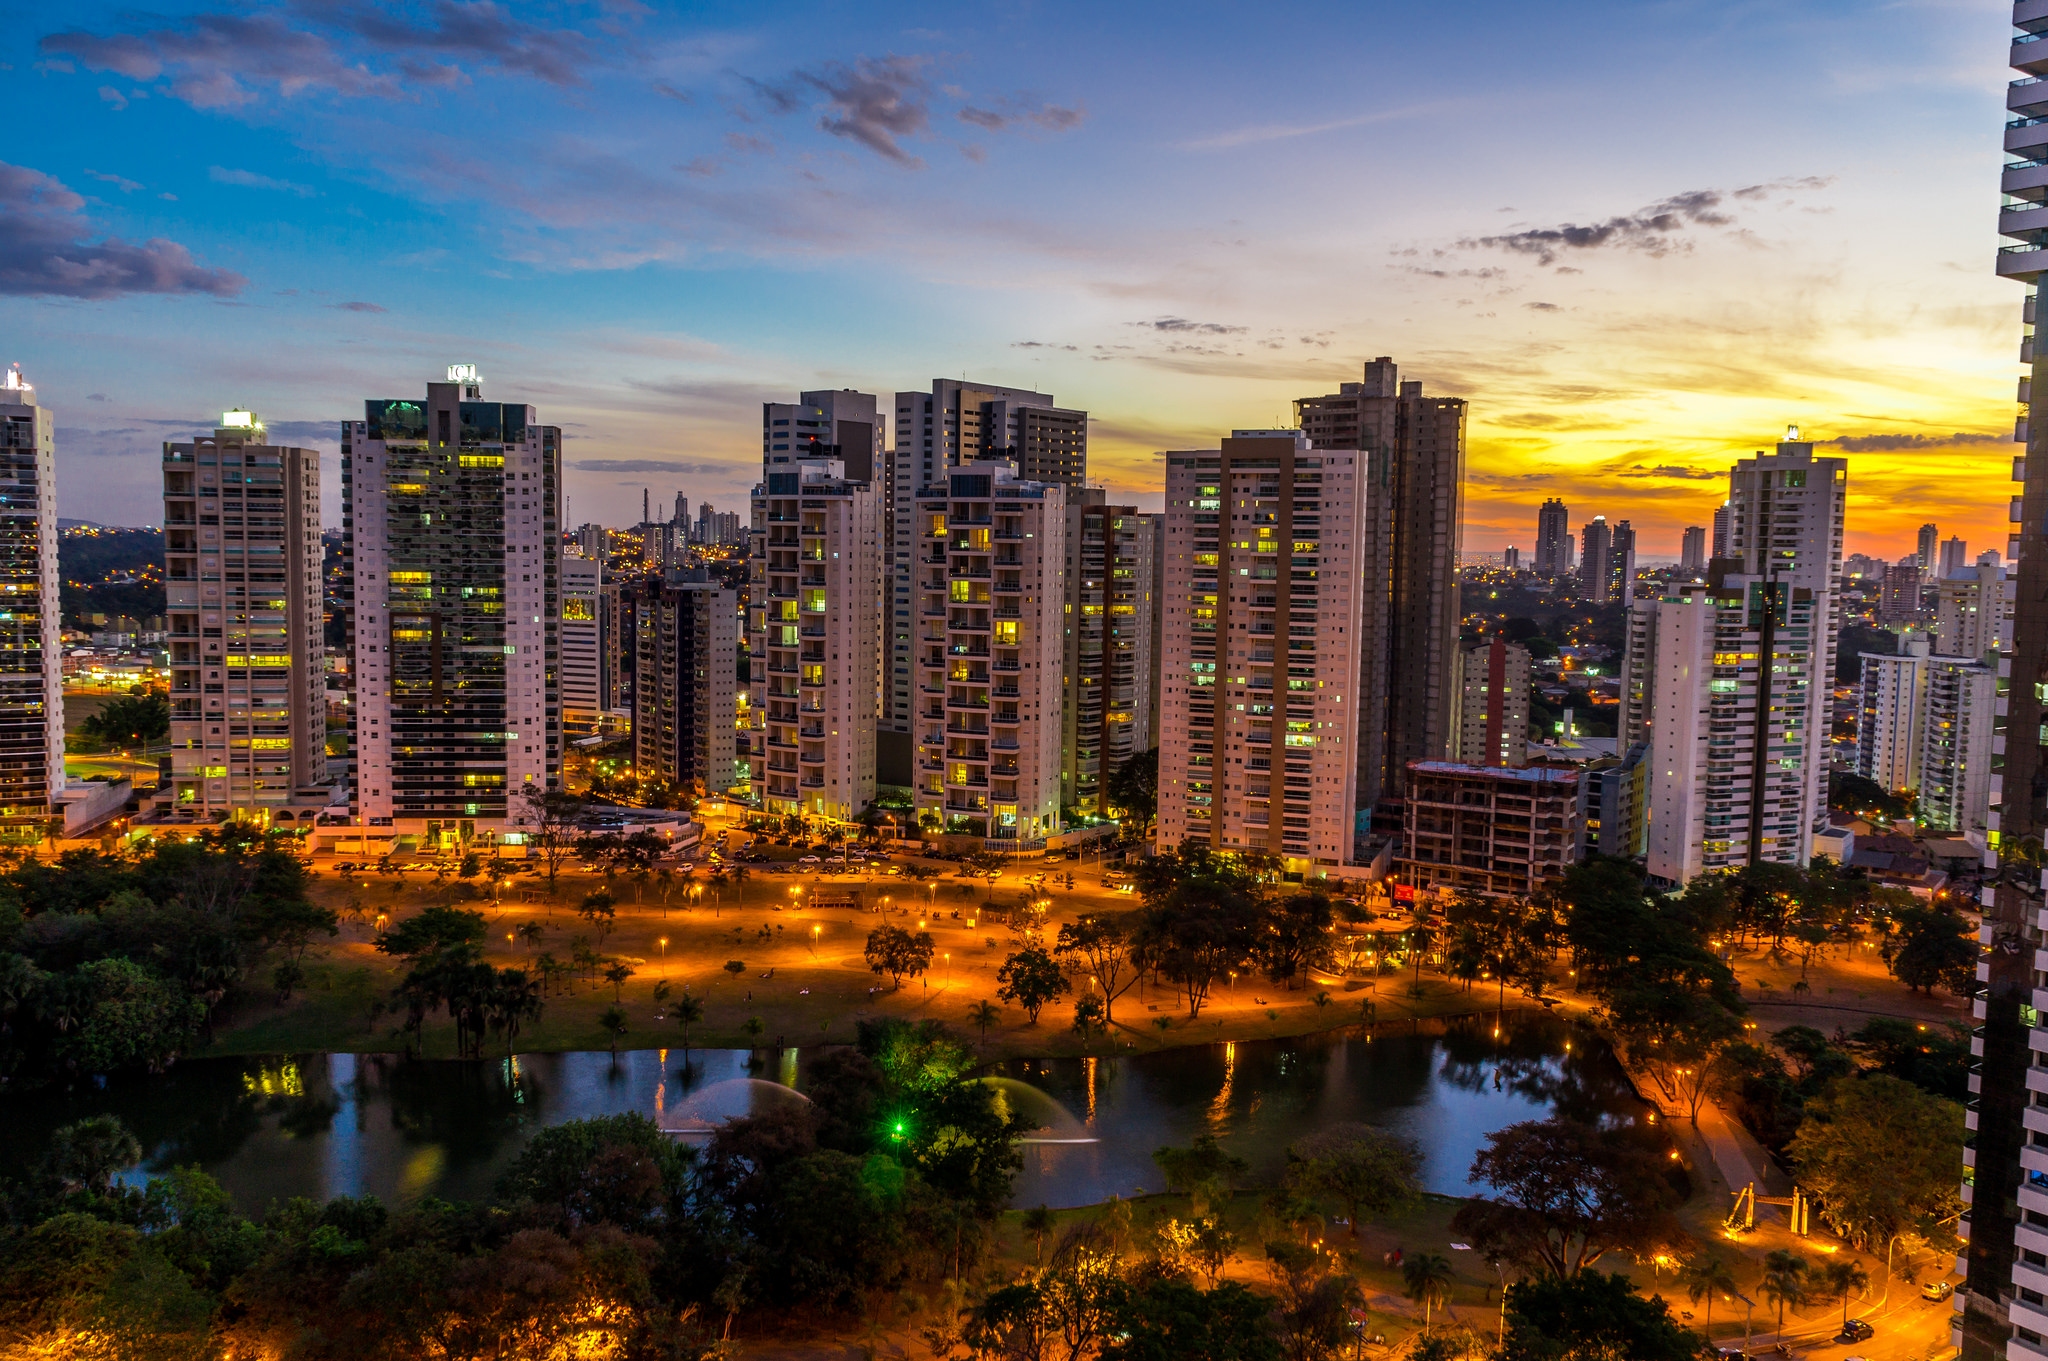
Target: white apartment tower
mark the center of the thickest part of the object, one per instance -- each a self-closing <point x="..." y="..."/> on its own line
<point x="955" y="424"/>
<point x="31" y="635"/>
<point x="243" y="561"/>
<point x="1891" y="714"/>
<point x="991" y="567"/>
<point x="451" y="531"/>
<point x="1973" y="611"/>
<point x="1260" y="647"/>
<point x="814" y="579"/>
<point x="1956" y="747"/>
<point x="582" y="643"/>
<point x="1491" y="690"/>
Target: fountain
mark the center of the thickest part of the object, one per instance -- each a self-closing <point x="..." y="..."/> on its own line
<point x="703" y="1112"/>
<point x="1051" y="1123"/>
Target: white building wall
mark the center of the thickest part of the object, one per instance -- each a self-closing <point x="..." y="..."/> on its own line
<point x="1891" y="716"/>
<point x="582" y="639"/>
<point x="1959" y="714"/>
<point x="1684" y="654"/>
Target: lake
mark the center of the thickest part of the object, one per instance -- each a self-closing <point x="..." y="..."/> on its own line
<point x="324" y="1125"/>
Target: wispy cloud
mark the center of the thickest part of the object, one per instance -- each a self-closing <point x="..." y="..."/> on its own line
<point x="651" y="465"/>
<point x="357" y="307"/>
<point x="45" y="249"/>
<point x="1280" y="132"/>
<point x="1876" y="444"/>
<point x="249" y="179"/>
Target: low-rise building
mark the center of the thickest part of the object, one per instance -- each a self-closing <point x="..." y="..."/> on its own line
<point x="1499" y="831"/>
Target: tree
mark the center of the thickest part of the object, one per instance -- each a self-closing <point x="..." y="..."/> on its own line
<point x="895" y="951"/>
<point x="1132" y="791"/>
<point x="1367" y="1170"/>
<point x="1703" y="1278"/>
<point x="1842" y="1276"/>
<point x="986" y="865"/>
<point x="1038" y="1223"/>
<point x="1426" y="1279"/>
<point x="1860" y="1124"/>
<point x="1296" y="936"/>
<point x="1316" y="1303"/>
<point x="613" y="1023"/>
<point x="552" y="815"/>
<point x="1031" y="978"/>
<point x="686" y="1012"/>
<point x="436" y="930"/>
<point x="597" y="909"/>
<point x="982" y="1015"/>
<point x="1936" y="945"/>
<point x="616" y="975"/>
<point x="1566" y="1194"/>
<point x="1204" y="1171"/>
<point x="130" y="720"/>
<point x="1101" y="942"/>
<point x="1169" y="1320"/>
<point x="1784" y="1280"/>
<point x="1591" y="1316"/>
<point x="1204" y="919"/>
<point x="86" y="1155"/>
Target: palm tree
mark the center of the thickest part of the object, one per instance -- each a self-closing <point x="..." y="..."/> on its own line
<point x="688" y="1011"/>
<point x="1842" y="1276"/>
<point x="1038" y="1223"/>
<point x="1784" y="1280"/>
<point x="531" y="933"/>
<point x="614" y="1023"/>
<point x="616" y="975"/>
<point x="1427" y="1277"/>
<point x="739" y="884"/>
<point x="982" y="1015"/>
<point x="1703" y="1278"/>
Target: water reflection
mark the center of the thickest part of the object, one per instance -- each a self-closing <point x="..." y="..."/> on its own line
<point x="377" y="1124"/>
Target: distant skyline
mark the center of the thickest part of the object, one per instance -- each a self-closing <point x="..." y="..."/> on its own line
<point x="1640" y="239"/>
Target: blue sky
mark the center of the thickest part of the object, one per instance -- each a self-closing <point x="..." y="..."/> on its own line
<point x="1639" y="237"/>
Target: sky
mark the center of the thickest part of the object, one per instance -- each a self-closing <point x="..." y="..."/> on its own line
<point x="1640" y="238"/>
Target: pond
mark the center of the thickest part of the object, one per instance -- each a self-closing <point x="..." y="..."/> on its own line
<point x="326" y="1125"/>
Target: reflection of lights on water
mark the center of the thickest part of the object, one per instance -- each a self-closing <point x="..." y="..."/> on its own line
<point x="422" y="1172"/>
<point x="1219" y="1109"/>
<point x="281" y="1081"/>
<point x="1088" y="1066"/>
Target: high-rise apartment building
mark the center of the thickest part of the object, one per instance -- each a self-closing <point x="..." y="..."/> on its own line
<point x="1891" y="714"/>
<point x="1596" y="560"/>
<point x="1740" y="675"/>
<point x="453" y="551"/>
<point x="1973" y="611"/>
<point x="1692" y="552"/>
<point x="1614" y="807"/>
<point x="1720" y="534"/>
<point x="1956" y="731"/>
<point x="31" y="636"/>
<point x="1109" y="671"/>
<point x="584" y="648"/>
<point x="685" y="698"/>
<point x="1927" y="550"/>
<point x="2002" y="1313"/>
<point x="1409" y="553"/>
<point x="1553" y="539"/>
<point x="841" y="425"/>
<point x="1493" y="704"/>
<point x="813" y="585"/>
<point x="242" y="560"/>
<point x="991" y="565"/>
<point x="1898" y="597"/>
<point x="1621" y="563"/>
<point x="1261" y="640"/>
<point x="1955" y="554"/>
<point x="954" y="424"/>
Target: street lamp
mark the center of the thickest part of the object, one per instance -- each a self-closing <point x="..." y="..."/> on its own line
<point x="814" y="938"/>
<point x="664" y="956"/>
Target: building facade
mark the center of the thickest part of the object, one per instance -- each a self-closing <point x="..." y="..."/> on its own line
<point x="1409" y="551"/>
<point x="31" y="637"/>
<point x="1500" y="832"/>
<point x="1107" y="678"/>
<point x="1493" y="704"/>
<point x="1692" y="551"/>
<point x="1898" y="599"/>
<point x="242" y="560"/>
<point x="453" y="554"/>
<point x="687" y="697"/>
<point x="584" y="648"/>
<point x="842" y="425"/>
<point x="1595" y="560"/>
<point x="991" y="640"/>
<point x="1973" y="611"/>
<point x="1621" y="563"/>
<point x="1891" y="712"/>
<point x="1260" y="656"/>
<point x="1553" y="539"/>
<point x="813" y="585"/>
<point x="1615" y="804"/>
<point x="1959" y="718"/>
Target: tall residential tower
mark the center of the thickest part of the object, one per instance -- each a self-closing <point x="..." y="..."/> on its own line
<point x="31" y="635"/>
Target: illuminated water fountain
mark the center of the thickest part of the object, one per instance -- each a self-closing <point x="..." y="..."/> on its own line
<point x="1049" y="1122"/>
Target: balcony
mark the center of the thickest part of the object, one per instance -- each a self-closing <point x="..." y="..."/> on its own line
<point x="811" y="730"/>
<point x="2029" y="53"/>
<point x="812" y="758"/>
<point x="963" y="727"/>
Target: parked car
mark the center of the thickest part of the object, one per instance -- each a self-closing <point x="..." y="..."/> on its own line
<point x="1936" y="1291"/>
<point x="808" y="860"/>
<point x="1855" y="1330"/>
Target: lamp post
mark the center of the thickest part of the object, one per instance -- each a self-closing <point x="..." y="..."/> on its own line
<point x="814" y="938"/>
<point x="1748" y="1306"/>
<point x="664" y="956"/>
